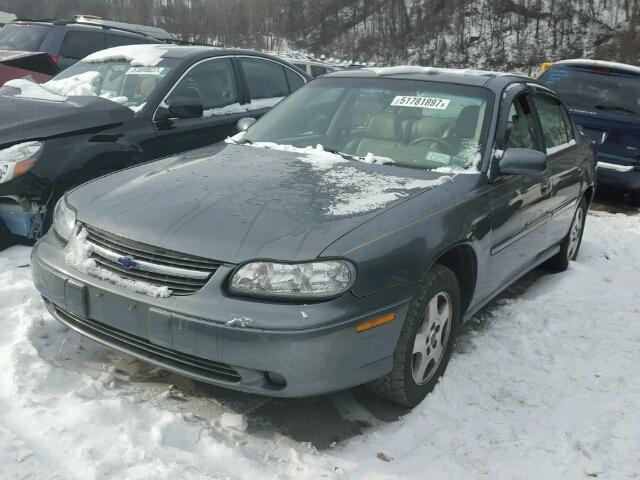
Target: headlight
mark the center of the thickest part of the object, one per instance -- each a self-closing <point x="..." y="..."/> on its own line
<point x="64" y="219"/>
<point x="312" y="280"/>
<point x="18" y="159"/>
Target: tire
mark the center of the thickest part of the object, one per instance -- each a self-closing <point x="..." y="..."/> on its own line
<point x="634" y="198"/>
<point x="425" y="335"/>
<point x="571" y="244"/>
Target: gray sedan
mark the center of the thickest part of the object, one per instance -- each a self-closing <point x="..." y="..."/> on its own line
<point x="340" y="240"/>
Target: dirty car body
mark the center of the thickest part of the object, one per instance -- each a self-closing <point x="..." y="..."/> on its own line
<point x="118" y="108"/>
<point x="378" y="215"/>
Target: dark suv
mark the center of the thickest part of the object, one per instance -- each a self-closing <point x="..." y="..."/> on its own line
<point x="68" y="41"/>
<point x="121" y="107"/>
<point x="604" y="100"/>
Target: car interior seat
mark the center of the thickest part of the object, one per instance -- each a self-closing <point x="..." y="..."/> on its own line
<point x="382" y="137"/>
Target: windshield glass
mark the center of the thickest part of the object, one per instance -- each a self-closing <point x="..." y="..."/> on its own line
<point x="23" y="37"/>
<point x="116" y="80"/>
<point x="595" y="87"/>
<point x="411" y="123"/>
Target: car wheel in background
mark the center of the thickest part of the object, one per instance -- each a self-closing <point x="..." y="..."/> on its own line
<point x="571" y="244"/>
<point x="634" y="198"/>
<point x="426" y="341"/>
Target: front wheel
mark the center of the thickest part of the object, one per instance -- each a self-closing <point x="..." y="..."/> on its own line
<point x="426" y="341"/>
<point x="571" y="244"/>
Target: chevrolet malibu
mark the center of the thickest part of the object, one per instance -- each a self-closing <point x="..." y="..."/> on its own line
<point x="340" y="240"/>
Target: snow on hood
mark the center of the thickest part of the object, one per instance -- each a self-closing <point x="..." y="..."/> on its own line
<point x="353" y="191"/>
<point x="83" y="84"/>
<point x="32" y="90"/>
<point x="137" y="55"/>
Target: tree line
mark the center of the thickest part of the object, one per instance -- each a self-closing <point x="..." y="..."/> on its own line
<point x="477" y="33"/>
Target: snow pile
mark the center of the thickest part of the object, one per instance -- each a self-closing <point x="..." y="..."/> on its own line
<point x="137" y="55"/>
<point x="83" y="84"/>
<point x="78" y="255"/>
<point x="544" y="385"/>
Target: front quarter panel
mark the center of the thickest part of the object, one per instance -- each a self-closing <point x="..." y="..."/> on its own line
<point x="396" y="249"/>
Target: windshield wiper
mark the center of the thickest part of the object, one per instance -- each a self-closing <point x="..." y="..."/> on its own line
<point x="354" y="157"/>
<point x="617" y="108"/>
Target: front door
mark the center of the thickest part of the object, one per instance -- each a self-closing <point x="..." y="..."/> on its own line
<point x="214" y="83"/>
<point x="520" y="203"/>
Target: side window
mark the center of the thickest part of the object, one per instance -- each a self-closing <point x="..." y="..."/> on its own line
<point x="79" y="44"/>
<point x="294" y="79"/>
<point x="212" y="82"/>
<point x="317" y="71"/>
<point x="520" y="131"/>
<point x="114" y="40"/>
<point x="553" y="118"/>
<point x="265" y="79"/>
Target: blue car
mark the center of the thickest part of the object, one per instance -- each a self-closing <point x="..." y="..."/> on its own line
<point x="604" y="100"/>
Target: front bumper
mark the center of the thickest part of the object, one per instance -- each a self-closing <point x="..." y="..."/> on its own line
<point x="314" y="348"/>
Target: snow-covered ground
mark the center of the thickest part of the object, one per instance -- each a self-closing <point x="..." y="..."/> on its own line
<point x="544" y="384"/>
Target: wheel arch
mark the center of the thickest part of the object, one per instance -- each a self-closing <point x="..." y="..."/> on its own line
<point x="461" y="259"/>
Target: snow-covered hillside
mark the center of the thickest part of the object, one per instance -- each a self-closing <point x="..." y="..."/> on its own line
<point x="544" y="384"/>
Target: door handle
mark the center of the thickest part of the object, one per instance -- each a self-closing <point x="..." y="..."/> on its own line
<point x="546" y="187"/>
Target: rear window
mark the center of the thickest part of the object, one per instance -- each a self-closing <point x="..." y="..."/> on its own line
<point x="595" y="87"/>
<point x="25" y="37"/>
<point x="79" y="44"/>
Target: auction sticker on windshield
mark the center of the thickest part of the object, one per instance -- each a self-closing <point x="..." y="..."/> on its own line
<point x="146" y="71"/>
<point x="421" y="102"/>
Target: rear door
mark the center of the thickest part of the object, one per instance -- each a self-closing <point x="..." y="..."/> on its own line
<point x="267" y="83"/>
<point x="563" y="161"/>
<point x="78" y="44"/>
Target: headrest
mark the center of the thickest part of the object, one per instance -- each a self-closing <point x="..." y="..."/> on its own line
<point x="467" y="122"/>
<point x="385" y="126"/>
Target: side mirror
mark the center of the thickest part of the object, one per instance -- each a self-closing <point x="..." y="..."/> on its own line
<point x="244" y="124"/>
<point x="180" y="107"/>
<point x="522" y="161"/>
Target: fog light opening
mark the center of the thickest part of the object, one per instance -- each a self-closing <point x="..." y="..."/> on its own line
<point x="275" y="379"/>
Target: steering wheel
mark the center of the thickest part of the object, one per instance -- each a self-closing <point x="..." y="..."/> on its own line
<point x="439" y="141"/>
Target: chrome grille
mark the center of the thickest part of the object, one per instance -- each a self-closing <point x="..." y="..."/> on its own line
<point x="181" y="273"/>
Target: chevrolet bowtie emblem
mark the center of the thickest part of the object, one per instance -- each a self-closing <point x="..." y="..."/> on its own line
<point x="127" y="262"/>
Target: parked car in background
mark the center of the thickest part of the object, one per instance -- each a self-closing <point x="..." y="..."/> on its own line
<point x="121" y="107"/>
<point x="68" y="41"/>
<point x="280" y="267"/>
<point x="36" y="65"/>
<point x="604" y="100"/>
<point x="311" y="68"/>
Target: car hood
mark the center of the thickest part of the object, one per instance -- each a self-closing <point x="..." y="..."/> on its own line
<point x="25" y="118"/>
<point x="233" y="203"/>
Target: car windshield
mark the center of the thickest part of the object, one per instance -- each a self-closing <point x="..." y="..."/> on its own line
<point x="22" y="36"/>
<point x="116" y="80"/>
<point x="410" y="123"/>
<point x="595" y="87"/>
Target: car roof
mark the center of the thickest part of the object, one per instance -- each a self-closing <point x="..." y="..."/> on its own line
<point x="582" y="62"/>
<point x="432" y="74"/>
<point x="179" y="52"/>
